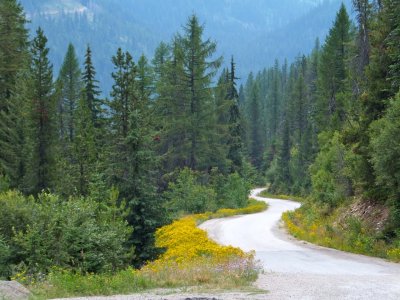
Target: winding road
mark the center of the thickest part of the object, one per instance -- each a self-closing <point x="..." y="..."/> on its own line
<point x="299" y="270"/>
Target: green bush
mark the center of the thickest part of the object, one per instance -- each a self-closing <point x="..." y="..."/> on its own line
<point x="385" y="149"/>
<point x="232" y="191"/>
<point x="193" y="192"/>
<point x="4" y="183"/>
<point x="15" y="213"/>
<point x="328" y="173"/>
<point x="5" y="255"/>
<point x="186" y="195"/>
<point x="80" y="233"/>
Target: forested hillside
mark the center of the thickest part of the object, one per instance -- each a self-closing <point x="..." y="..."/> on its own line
<point x="275" y="29"/>
<point x="327" y="127"/>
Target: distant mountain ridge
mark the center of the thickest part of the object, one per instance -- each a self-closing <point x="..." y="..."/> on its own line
<point x="255" y="32"/>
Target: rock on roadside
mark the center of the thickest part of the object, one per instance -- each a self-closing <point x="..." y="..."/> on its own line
<point x="10" y="290"/>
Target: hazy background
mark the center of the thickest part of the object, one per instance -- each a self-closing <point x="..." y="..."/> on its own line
<point x="255" y="32"/>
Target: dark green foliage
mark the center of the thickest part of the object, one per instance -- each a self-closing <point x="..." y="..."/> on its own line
<point x="75" y="129"/>
<point x="84" y="146"/>
<point x="192" y="193"/>
<point x="329" y="181"/>
<point x="256" y="146"/>
<point x="278" y="173"/>
<point x="363" y="9"/>
<point x="161" y="57"/>
<point x="40" y="128"/>
<point x="71" y="87"/>
<point x="13" y="47"/>
<point x="144" y="206"/>
<point x="187" y="196"/>
<point x="123" y="93"/>
<point x="333" y="71"/>
<point x="92" y="91"/>
<point x="235" y="144"/>
<point x="188" y="134"/>
<point x="133" y="164"/>
<point x="14" y="61"/>
<point x="231" y="191"/>
<point x="198" y="75"/>
<point x="379" y="88"/>
<point x="385" y="148"/>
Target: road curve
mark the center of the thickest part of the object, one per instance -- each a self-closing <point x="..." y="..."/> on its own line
<point x="299" y="270"/>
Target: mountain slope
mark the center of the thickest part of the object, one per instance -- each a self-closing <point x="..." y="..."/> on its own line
<point x="254" y="31"/>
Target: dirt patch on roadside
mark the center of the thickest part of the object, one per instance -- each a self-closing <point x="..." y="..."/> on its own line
<point x="372" y="214"/>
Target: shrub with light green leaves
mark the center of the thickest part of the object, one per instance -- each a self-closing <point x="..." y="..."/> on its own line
<point x="232" y="191"/>
<point x="78" y="233"/>
<point x="329" y="177"/>
<point x="187" y="195"/>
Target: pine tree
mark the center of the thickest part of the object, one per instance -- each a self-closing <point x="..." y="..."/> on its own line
<point x="145" y="209"/>
<point x="41" y="119"/>
<point x="71" y="86"/>
<point x="91" y="89"/>
<point x="145" y="84"/>
<point x="188" y="135"/>
<point x="221" y="99"/>
<point x="333" y="72"/>
<point x="161" y="57"/>
<point x="282" y="180"/>
<point x="256" y="145"/>
<point x="173" y="111"/>
<point x="13" y="47"/>
<point x="199" y="74"/>
<point x="84" y="146"/>
<point x="381" y="86"/>
<point x="393" y="9"/>
<point x="300" y="129"/>
<point x="235" y="125"/>
<point x="132" y="168"/>
<point x="13" y="66"/>
<point x="363" y="9"/>
<point x="273" y="107"/>
<point x="123" y="92"/>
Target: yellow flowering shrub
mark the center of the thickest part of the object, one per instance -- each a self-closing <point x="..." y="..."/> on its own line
<point x="185" y="242"/>
<point x="192" y="258"/>
<point x="394" y="254"/>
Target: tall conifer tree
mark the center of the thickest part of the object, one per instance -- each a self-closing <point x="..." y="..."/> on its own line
<point x="235" y="154"/>
<point x="41" y="119"/>
<point x="13" y="66"/>
<point x="91" y="89"/>
<point x="333" y="71"/>
<point x="71" y="87"/>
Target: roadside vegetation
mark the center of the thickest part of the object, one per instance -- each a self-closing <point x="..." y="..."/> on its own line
<point x="340" y="229"/>
<point x="189" y="259"/>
